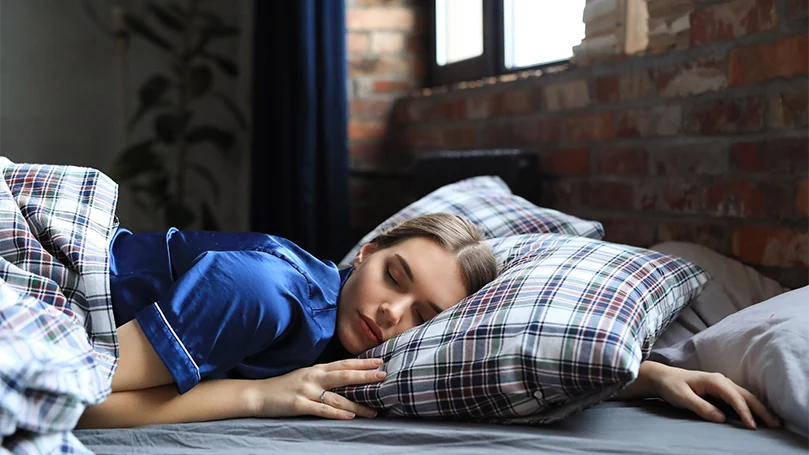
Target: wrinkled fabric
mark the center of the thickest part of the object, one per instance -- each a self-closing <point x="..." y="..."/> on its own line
<point x="57" y="330"/>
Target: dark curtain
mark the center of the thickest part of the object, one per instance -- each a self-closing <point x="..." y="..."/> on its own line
<point x="300" y="148"/>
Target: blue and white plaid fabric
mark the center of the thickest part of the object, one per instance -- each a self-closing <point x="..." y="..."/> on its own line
<point x="564" y="326"/>
<point x="488" y="203"/>
<point x="57" y="329"/>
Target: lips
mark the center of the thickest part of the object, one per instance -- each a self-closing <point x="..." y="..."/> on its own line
<point x="370" y="329"/>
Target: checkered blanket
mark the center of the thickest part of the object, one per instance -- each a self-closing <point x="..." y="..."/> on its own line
<point x="57" y="329"/>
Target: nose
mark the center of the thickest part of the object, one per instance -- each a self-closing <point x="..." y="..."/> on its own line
<point x="393" y="309"/>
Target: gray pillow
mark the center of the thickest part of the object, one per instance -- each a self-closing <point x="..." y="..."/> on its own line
<point x="734" y="287"/>
<point x="763" y="348"/>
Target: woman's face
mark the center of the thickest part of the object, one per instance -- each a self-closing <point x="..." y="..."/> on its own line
<point x="395" y="289"/>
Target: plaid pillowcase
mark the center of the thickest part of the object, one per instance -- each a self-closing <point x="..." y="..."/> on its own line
<point x="488" y="203"/>
<point x="564" y="326"/>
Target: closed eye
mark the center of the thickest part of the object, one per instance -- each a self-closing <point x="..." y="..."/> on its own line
<point x="421" y="318"/>
<point x="390" y="277"/>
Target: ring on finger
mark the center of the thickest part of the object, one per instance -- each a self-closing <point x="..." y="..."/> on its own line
<point x="323" y="397"/>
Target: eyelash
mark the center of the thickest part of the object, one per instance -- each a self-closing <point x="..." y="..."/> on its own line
<point x="393" y="280"/>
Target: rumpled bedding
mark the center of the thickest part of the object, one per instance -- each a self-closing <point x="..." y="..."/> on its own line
<point x="58" y="347"/>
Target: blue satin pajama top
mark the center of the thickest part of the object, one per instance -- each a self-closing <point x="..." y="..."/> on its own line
<point x="226" y="305"/>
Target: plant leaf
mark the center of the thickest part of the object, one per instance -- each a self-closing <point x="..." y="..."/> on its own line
<point x="179" y="215"/>
<point x="206" y="175"/>
<point x="223" y="140"/>
<point x="142" y="111"/>
<point x="208" y="219"/>
<point x="166" y="18"/>
<point x="139" y="27"/>
<point x="150" y="96"/>
<point x="136" y="160"/>
<point x="201" y="79"/>
<point x="226" y="65"/>
<point x="170" y="126"/>
<point x="232" y="108"/>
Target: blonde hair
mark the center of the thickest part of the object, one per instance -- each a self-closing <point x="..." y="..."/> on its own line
<point x="456" y="235"/>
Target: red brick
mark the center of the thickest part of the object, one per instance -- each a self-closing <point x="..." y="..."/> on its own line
<point x="692" y="78"/>
<point x="382" y="18"/>
<point x="775" y="247"/>
<point x="514" y="102"/>
<point x="365" y="129"/>
<point x="447" y="109"/>
<point x="369" y="108"/>
<point x="383" y="86"/>
<point x="710" y="235"/>
<point x="421" y="138"/>
<point x="788" y="109"/>
<point x="802" y="201"/>
<point x="608" y="89"/>
<point x="796" y="9"/>
<point x="566" y="95"/>
<point x="786" y="155"/>
<point x="671" y="196"/>
<point x="496" y="134"/>
<point x="588" y="128"/>
<point x="459" y="137"/>
<point x="610" y="195"/>
<point x="649" y="122"/>
<point x="732" y="20"/>
<point x="736" y="200"/>
<point x="726" y="116"/>
<point x="364" y="148"/>
<point x="566" y="161"/>
<point x="357" y="43"/>
<point x="636" y="84"/>
<point x="689" y="160"/>
<point x="388" y="42"/>
<point x="785" y="58"/>
<point x="564" y="194"/>
<point x="415" y="44"/>
<point x="532" y="132"/>
<point x="747" y="157"/>
<point x="621" y="161"/>
<point x="384" y="65"/>
<point x="480" y="105"/>
<point x="680" y="197"/>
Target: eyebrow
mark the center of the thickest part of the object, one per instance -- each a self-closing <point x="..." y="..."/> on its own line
<point x="409" y="274"/>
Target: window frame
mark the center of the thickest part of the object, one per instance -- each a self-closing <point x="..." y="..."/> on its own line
<point x="490" y="63"/>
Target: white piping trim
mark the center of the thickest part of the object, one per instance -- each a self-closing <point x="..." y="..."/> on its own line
<point x="160" y="312"/>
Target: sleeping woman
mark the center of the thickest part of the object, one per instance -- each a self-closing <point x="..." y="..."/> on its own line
<point x="226" y="325"/>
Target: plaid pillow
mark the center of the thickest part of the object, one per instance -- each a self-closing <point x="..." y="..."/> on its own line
<point x="488" y="202"/>
<point x="565" y="325"/>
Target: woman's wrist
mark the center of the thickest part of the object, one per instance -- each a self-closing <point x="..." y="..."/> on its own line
<point x="646" y="384"/>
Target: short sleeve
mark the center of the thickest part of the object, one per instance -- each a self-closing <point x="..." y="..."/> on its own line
<point x="228" y="305"/>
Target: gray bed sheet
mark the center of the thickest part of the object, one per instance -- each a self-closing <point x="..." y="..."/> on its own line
<point x="647" y="427"/>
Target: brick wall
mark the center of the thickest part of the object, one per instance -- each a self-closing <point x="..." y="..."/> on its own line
<point x="385" y="60"/>
<point x="707" y="144"/>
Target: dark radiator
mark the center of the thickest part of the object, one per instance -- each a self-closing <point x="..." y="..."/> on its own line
<point x="518" y="168"/>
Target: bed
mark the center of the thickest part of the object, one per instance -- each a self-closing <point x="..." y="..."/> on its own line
<point x="647" y="427"/>
<point x="642" y="427"/>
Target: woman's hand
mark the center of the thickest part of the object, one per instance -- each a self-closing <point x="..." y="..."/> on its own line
<point x="686" y="389"/>
<point x="298" y="392"/>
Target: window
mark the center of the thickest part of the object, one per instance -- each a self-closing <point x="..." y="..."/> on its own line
<point x="472" y="39"/>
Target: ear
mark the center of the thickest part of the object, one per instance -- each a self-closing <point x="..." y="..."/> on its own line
<point x="364" y="252"/>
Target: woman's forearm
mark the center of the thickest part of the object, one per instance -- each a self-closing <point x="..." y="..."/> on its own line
<point x="208" y="400"/>
<point x="643" y="386"/>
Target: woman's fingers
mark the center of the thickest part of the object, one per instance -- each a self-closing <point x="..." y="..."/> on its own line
<point x="341" y="403"/>
<point x="341" y="378"/>
<point x="758" y="408"/>
<point x="352" y="364"/>
<point x="726" y="389"/>
<point x="694" y="402"/>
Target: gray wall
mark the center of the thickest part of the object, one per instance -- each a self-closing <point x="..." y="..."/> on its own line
<point x="61" y="99"/>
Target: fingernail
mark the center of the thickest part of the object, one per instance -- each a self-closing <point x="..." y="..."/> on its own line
<point x="378" y="361"/>
<point x="350" y="415"/>
<point x="373" y="414"/>
<point x="718" y="416"/>
<point x="751" y="423"/>
<point x="380" y="375"/>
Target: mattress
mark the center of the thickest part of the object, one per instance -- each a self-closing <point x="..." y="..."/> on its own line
<point x="641" y="427"/>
